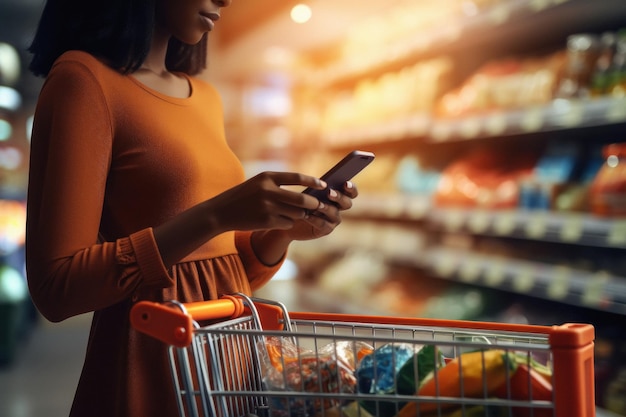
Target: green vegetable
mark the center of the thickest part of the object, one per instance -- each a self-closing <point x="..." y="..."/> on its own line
<point x="407" y="380"/>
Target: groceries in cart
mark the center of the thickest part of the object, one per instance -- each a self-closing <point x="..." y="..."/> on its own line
<point x="263" y="361"/>
<point x="399" y="369"/>
<point x="290" y="367"/>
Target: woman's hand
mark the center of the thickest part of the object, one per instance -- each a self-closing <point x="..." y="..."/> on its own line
<point x="263" y="202"/>
<point x="326" y="218"/>
<point x="270" y="245"/>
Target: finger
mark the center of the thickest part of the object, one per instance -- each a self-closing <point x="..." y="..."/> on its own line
<point x="329" y="212"/>
<point x="341" y="200"/>
<point x="350" y="189"/>
<point x="293" y="212"/>
<point x="319" y="222"/>
<point x="296" y="178"/>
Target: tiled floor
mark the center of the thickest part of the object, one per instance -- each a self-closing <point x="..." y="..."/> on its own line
<point x="42" y="379"/>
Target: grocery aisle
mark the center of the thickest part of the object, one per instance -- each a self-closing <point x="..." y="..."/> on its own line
<point x="43" y="377"/>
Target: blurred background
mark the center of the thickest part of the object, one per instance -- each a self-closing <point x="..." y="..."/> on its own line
<point x="498" y="192"/>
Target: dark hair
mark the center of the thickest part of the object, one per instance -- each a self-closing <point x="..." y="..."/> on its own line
<point x="117" y="31"/>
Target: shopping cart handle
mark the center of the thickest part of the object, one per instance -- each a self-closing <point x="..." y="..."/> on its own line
<point x="173" y="325"/>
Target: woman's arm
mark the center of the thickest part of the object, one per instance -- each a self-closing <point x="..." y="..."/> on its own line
<point x="69" y="270"/>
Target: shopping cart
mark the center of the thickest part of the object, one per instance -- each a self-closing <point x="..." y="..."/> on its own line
<point x="241" y="356"/>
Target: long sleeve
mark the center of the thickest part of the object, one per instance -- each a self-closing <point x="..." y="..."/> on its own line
<point x="69" y="270"/>
<point x="258" y="273"/>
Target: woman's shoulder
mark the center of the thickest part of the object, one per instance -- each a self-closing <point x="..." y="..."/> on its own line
<point x="75" y="59"/>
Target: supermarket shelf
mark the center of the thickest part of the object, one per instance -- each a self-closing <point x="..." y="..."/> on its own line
<point x="546" y="226"/>
<point x="597" y="290"/>
<point x="512" y="21"/>
<point x="558" y="115"/>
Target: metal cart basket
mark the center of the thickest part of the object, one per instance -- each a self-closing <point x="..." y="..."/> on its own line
<point x="240" y="356"/>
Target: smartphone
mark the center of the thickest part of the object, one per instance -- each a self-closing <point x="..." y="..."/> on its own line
<point x="343" y="171"/>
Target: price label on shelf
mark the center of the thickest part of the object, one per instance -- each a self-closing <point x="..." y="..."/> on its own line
<point x="453" y="220"/>
<point x="558" y="286"/>
<point x="574" y="116"/>
<point x="617" y="233"/>
<point x="417" y="207"/>
<point x="617" y="110"/>
<point x="594" y="294"/>
<point x="479" y="221"/>
<point x="470" y="127"/>
<point x="441" y="131"/>
<point x="495" y="273"/>
<point x="504" y="223"/>
<point x="445" y="266"/>
<point x="495" y="124"/>
<point x="524" y="279"/>
<point x="572" y="228"/>
<point x="532" y="120"/>
<point x="537" y="225"/>
<point x="470" y="269"/>
<point x="418" y="125"/>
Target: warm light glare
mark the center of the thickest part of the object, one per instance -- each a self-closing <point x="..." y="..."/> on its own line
<point x="301" y="13"/>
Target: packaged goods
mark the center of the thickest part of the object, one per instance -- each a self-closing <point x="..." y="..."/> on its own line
<point x="617" y="72"/>
<point x="485" y="178"/>
<point x="395" y="369"/>
<point x="608" y="190"/>
<point x="582" y="53"/>
<point x="291" y="367"/>
<point x="601" y="79"/>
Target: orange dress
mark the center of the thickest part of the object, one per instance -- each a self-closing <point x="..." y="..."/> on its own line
<point x="110" y="160"/>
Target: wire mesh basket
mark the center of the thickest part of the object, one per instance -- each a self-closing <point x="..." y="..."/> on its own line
<point x="241" y="356"/>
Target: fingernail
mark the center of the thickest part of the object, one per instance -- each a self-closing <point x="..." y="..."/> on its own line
<point x="333" y="193"/>
<point x="349" y="184"/>
<point x="323" y="183"/>
<point x="321" y="206"/>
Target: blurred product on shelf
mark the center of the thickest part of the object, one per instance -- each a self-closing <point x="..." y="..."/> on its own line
<point x="608" y="191"/>
<point x="596" y="65"/>
<point x="582" y="54"/>
<point x="552" y="176"/>
<point x="413" y="178"/>
<point x="393" y="96"/>
<point x="601" y="78"/>
<point x="617" y="73"/>
<point x="504" y="84"/>
<point x="485" y="178"/>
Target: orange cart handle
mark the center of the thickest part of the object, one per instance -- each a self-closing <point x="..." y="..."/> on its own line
<point x="174" y="323"/>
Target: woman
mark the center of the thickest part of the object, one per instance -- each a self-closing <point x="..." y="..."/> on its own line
<point x="134" y="194"/>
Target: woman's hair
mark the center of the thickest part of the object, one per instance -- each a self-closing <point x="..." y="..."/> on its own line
<point x="117" y="31"/>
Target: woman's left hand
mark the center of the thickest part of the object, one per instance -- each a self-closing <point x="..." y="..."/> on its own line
<point x="327" y="217"/>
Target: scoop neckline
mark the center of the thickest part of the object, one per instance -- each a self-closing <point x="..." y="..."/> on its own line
<point x="165" y="97"/>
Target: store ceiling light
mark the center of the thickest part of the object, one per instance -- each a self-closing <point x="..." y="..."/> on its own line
<point x="301" y="13"/>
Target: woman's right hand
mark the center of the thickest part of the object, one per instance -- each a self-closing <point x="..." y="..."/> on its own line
<point x="260" y="203"/>
<point x="263" y="202"/>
